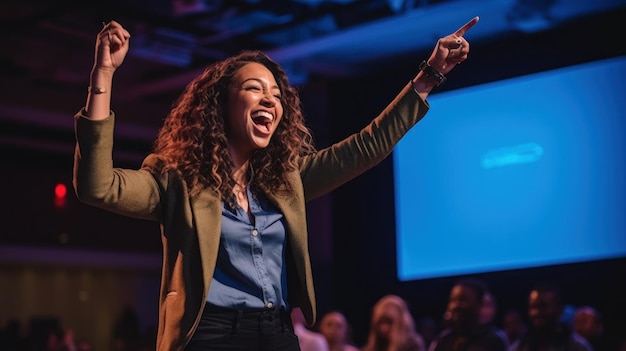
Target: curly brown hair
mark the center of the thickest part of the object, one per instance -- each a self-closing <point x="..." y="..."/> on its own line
<point x="193" y="140"/>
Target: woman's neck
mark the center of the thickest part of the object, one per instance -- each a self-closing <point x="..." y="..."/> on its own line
<point x="240" y="174"/>
<point x="240" y="171"/>
<point x="240" y="166"/>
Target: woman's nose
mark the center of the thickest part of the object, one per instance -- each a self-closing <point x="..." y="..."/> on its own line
<point x="268" y="99"/>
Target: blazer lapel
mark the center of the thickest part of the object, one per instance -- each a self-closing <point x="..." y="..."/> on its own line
<point x="206" y="209"/>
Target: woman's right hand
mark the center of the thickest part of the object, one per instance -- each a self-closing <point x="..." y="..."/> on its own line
<point x="111" y="47"/>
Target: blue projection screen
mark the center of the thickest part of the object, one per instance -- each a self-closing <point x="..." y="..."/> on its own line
<point x="519" y="173"/>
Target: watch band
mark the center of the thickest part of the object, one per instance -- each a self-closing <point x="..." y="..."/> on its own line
<point x="432" y="73"/>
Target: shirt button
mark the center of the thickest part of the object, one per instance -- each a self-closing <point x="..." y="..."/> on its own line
<point x="255" y="232"/>
<point x="270" y="305"/>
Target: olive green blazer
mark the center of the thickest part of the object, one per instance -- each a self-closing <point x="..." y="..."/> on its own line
<point x="190" y="224"/>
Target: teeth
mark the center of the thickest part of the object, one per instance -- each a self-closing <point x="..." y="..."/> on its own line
<point x="264" y="114"/>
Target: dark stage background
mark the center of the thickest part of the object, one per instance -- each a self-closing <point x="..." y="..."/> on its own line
<point x="352" y="230"/>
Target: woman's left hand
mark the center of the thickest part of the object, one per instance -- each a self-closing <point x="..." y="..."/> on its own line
<point x="451" y="50"/>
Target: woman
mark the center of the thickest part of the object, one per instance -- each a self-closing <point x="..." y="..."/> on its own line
<point x="392" y="327"/>
<point x="336" y="330"/>
<point x="231" y="171"/>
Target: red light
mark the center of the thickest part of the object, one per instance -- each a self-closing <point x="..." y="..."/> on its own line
<point x="60" y="192"/>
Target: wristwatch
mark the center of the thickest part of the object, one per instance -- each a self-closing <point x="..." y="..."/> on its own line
<point x="432" y="73"/>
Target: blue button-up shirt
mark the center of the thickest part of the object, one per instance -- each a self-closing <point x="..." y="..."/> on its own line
<point x="250" y="269"/>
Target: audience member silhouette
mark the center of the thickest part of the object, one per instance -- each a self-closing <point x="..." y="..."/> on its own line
<point x="41" y="335"/>
<point x="126" y="331"/>
<point x="488" y="311"/>
<point x="85" y="345"/>
<point x="464" y="329"/>
<point x="392" y="327"/>
<point x="488" y="308"/>
<point x="337" y="331"/>
<point x="546" y="329"/>
<point x="54" y="341"/>
<point x="65" y="340"/>
<point x="428" y="328"/>
<point x="308" y="339"/>
<point x="69" y="342"/>
<point x="588" y="324"/>
<point x="514" y="325"/>
<point x="13" y="338"/>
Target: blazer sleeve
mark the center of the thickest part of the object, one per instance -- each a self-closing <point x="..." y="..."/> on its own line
<point x="133" y="193"/>
<point x="331" y="167"/>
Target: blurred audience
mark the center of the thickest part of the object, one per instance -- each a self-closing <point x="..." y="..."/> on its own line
<point x="126" y="331"/>
<point x="392" y="327"/>
<point x="428" y="328"/>
<point x="547" y="331"/>
<point x="514" y="325"/>
<point x="40" y="337"/>
<point x="465" y="328"/>
<point x="488" y="308"/>
<point x="468" y="325"/>
<point x="487" y="314"/>
<point x="309" y="340"/>
<point x="337" y="331"/>
<point x="13" y="336"/>
<point x="588" y="324"/>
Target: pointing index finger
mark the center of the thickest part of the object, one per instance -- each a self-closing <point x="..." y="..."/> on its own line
<point x="461" y="31"/>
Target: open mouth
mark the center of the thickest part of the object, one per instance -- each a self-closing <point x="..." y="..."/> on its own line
<point x="263" y="119"/>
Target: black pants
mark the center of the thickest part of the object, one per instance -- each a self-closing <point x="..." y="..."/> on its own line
<point x="229" y="330"/>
